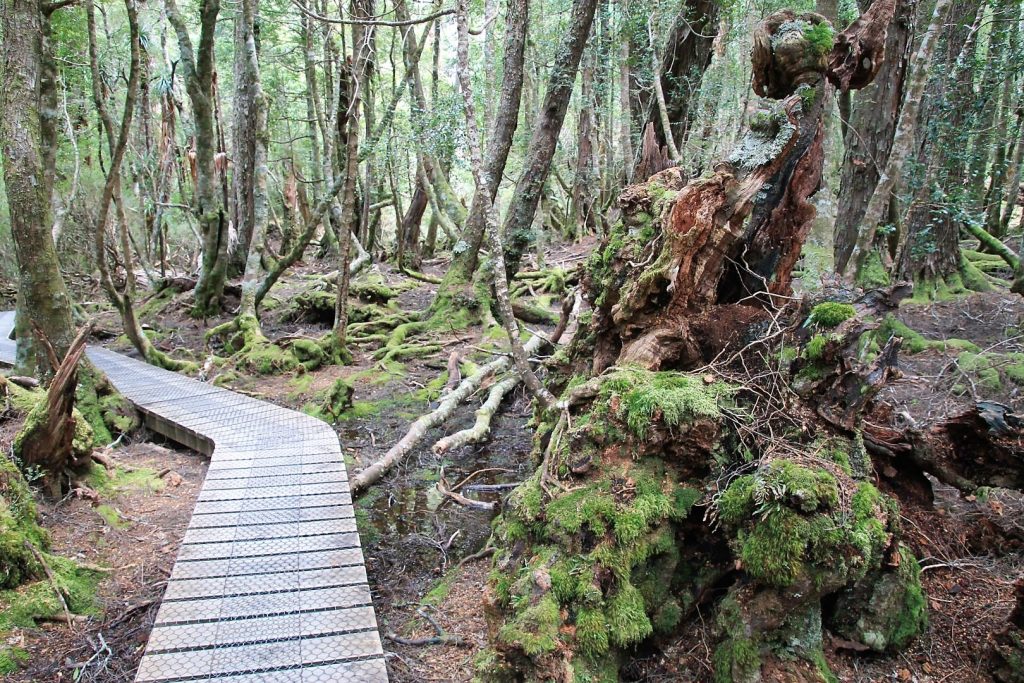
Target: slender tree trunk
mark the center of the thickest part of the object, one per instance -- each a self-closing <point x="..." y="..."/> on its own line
<point x="199" y="67"/>
<point x="543" y="396"/>
<point x="243" y="143"/>
<point x="349" y="110"/>
<point x="43" y="296"/>
<point x="546" y="128"/>
<point x="585" y="183"/>
<point x="903" y="141"/>
<point x="499" y="141"/>
<point x="258" y="109"/>
<point x="872" y="123"/>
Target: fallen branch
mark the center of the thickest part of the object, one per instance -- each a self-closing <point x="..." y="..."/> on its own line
<point x="442" y="637"/>
<point x="484" y="414"/>
<point x="445" y="490"/>
<point x="53" y="584"/>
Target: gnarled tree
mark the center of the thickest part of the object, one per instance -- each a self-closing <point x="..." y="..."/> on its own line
<point x="684" y="460"/>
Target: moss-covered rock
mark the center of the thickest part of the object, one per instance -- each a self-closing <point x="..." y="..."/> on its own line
<point x="885" y="611"/>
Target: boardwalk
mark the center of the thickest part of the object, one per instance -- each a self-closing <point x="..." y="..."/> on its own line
<point x="269" y="584"/>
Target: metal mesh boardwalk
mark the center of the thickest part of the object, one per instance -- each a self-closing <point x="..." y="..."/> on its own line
<point x="269" y="584"/>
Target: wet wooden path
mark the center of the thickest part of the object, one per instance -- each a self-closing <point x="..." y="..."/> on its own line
<point x="269" y="584"/>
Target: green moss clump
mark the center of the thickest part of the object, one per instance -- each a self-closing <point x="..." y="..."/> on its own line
<point x="789" y="525"/>
<point x="820" y="37"/>
<point x="535" y="629"/>
<point x="22" y="607"/>
<point x="671" y="396"/>
<point x="831" y="314"/>
<point x="18" y="526"/>
<point x="815" y="348"/>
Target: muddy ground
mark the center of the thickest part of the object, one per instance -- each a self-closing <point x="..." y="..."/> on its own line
<point x="415" y="541"/>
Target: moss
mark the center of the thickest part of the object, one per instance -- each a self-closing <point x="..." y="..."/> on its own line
<point x="873" y="273"/>
<point x="819" y="37"/>
<point x="671" y="396"/>
<point x="20" y="608"/>
<point x="18" y="526"/>
<point x="592" y="632"/>
<point x="915" y="342"/>
<point x="980" y="366"/>
<point x="831" y="314"/>
<point x="535" y="629"/>
<point x="111" y="516"/>
<point x="12" y="659"/>
<point x="886" y="610"/>
<point x="737" y="658"/>
<point x="789" y="525"/>
<point x="815" y="348"/>
<point x="627" y="618"/>
<point x="111" y="482"/>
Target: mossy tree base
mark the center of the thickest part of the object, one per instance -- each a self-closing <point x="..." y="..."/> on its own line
<point x="248" y="349"/>
<point x="678" y="470"/>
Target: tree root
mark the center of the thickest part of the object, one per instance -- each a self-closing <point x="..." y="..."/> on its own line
<point x="439" y="415"/>
<point x="484" y="414"/>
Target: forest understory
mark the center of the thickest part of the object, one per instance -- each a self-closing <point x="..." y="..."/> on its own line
<point x="423" y="549"/>
<point x="664" y="341"/>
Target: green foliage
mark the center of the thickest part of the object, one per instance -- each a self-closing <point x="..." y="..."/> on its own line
<point x="627" y="612"/>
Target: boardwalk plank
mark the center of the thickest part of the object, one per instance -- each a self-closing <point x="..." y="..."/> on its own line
<point x="269" y="583"/>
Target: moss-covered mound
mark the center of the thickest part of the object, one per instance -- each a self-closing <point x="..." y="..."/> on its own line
<point x="19" y="528"/>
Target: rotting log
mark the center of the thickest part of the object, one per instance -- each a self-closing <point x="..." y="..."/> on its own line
<point x="705" y="451"/>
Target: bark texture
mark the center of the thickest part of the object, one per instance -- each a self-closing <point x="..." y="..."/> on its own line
<point x="43" y="296"/>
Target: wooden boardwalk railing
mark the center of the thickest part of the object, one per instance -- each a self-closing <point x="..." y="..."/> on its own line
<point x="269" y="584"/>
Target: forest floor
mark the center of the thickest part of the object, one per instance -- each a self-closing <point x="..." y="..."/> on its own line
<point x="414" y="539"/>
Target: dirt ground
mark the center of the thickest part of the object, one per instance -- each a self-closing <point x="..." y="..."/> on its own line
<point x="134" y="529"/>
<point x="415" y="541"/>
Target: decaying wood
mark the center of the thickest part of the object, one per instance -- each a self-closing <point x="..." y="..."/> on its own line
<point x="47" y="442"/>
<point x="983" y="446"/>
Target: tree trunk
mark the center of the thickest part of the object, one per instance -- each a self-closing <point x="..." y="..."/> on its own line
<point x="647" y="471"/>
<point x="872" y="123"/>
<point x="199" y="68"/>
<point x="583" y="221"/>
<point x="43" y="296"/>
<point x="685" y="59"/>
<point x="258" y="106"/>
<point x="546" y="128"/>
<point x="243" y="142"/>
<point x="902" y="144"/>
<point x="499" y="140"/>
<point x="930" y="252"/>
<point x="349" y="109"/>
